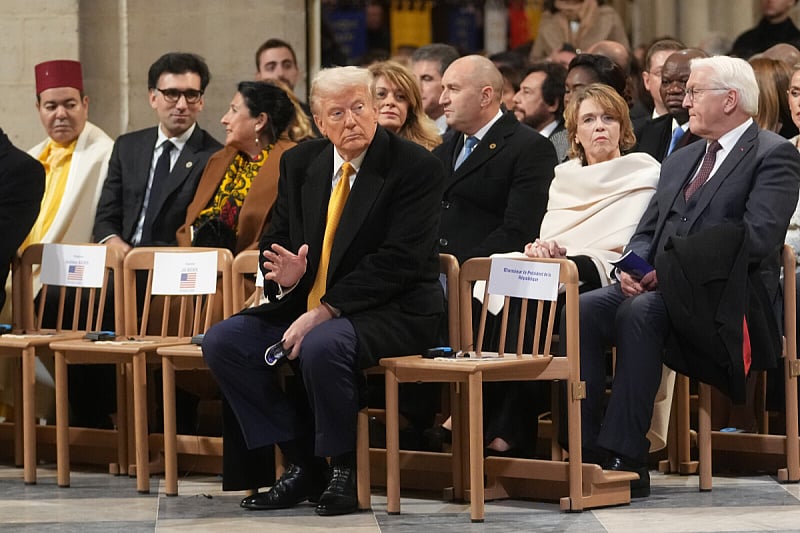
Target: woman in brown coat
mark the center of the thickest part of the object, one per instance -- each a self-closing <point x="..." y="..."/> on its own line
<point x="233" y="201"/>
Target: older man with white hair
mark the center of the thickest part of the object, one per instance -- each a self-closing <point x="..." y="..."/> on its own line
<point x="741" y="183"/>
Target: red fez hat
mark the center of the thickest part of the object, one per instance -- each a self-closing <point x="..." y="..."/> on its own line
<point x="58" y="73"/>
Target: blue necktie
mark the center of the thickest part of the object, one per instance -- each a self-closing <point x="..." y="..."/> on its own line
<point x="469" y="145"/>
<point x="676" y="136"/>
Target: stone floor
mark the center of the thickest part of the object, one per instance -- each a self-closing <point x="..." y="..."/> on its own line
<point x="98" y="502"/>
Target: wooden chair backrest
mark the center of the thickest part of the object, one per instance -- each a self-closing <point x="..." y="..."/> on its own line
<point x="245" y="267"/>
<point x="31" y="315"/>
<point x="478" y="269"/>
<point x="192" y="314"/>
<point x="789" y="261"/>
<point x="448" y="265"/>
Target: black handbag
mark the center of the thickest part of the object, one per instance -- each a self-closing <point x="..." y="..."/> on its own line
<point x="214" y="233"/>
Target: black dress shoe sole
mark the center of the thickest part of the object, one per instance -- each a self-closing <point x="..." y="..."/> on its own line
<point x="335" y="511"/>
<point x="255" y="506"/>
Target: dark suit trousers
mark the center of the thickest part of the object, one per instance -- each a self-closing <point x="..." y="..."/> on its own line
<point x="234" y="351"/>
<point x="638" y="327"/>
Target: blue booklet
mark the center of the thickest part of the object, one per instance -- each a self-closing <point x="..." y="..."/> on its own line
<point x="633" y="264"/>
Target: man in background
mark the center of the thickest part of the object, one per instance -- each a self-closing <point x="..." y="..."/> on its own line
<point x="539" y="103"/>
<point x="661" y="136"/>
<point x="153" y="173"/>
<point x="428" y="64"/>
<point x="657" y="53"/>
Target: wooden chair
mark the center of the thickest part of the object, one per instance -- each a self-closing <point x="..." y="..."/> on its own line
<point x="783" y="449"/>
<point x="579" y="486"/>
<point x="430" y="463"/>
<point x="137" y="348"/>
<point x="190" y="357"/>
<point x="30" y="338"/>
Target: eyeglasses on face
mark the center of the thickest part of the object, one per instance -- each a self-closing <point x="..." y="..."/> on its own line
<point x="692" y="93"/>
<point x="172" y="96"/>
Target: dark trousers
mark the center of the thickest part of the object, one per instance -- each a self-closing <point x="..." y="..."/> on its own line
<point x="327" y="366"/>
<point x="638" y="326"/>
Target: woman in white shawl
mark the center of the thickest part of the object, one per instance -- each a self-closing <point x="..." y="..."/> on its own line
<point x="596" y="200"/>
<point x="598" y="196"/>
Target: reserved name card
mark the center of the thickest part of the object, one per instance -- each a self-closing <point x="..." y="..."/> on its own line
<point x="185" y="273"/>
<point x="73" y="265"/>
<point x="524" y="279"/>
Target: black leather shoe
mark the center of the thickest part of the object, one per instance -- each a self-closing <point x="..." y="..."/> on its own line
<point x="340" y="496"/>
<point x="640" y="488"/>
<point x="293" y="487"/>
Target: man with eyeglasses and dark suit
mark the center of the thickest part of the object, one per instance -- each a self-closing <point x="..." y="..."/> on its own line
<point x="152" y="177"/>
<point x="153" y="173"/>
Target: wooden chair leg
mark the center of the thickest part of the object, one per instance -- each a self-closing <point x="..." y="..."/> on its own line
<point x="792" y="438"/>
<point x="457" y="446"/>
<point x="28" y="420"/>
<point x="140" y="424"/>
<point x="130" y="419"/>
<point x="575" y="454"/>
<point x="475" y="392"/>
<point x="362" y="461"/>
<point x="170" y="428"/>
<point x="392" y="444"/>
<point x="62" y="420"/>
<point x="18" y="419"/>
<point x="121" y="468"/>
<point x="704" y="435"/>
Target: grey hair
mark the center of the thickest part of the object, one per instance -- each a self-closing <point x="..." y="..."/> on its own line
<point x="732" y="73"/>
<point x="333" y="81"/>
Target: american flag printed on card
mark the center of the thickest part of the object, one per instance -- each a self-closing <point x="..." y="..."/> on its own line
<point x="75" y="273"/>
<point x="188" y="280"/>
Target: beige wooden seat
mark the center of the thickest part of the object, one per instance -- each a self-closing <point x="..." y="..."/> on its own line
<point x="760" y="445"/>
<point x="429" y="464"/>
<point x="30" y="339"/>
<point x="761" y="448"/>
<point x="136" y="347"/>
<point x="578" y="486"/>
<point x="190" y="357"/>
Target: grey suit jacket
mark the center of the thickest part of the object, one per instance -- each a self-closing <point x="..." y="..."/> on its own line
<point x="126" y="184"/>
<point x="756" y="186"/>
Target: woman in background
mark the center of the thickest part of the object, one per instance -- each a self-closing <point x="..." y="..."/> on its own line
<point x="773" y="78"/>
<point x="580" y="23"/>
<point x="400" y="104"/>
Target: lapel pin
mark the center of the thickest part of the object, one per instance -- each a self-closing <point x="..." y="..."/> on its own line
<point x="492" y="146"/>
<point x="188" y="164"/>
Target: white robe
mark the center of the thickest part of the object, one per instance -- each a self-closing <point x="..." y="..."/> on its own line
<point x="73" y="223"/>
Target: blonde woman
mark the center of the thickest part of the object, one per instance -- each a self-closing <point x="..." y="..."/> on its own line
<point x="400" y="104"/>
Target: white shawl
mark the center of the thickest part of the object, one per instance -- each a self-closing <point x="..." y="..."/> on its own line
<point x="593" y="210"/>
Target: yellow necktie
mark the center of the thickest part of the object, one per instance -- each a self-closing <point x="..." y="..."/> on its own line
<point x="335" y="208"/>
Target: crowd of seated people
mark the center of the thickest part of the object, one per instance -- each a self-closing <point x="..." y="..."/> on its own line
<point x="470" y="156"/>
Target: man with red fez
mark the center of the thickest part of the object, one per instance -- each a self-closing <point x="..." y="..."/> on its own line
<point x="75" y="157"/>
